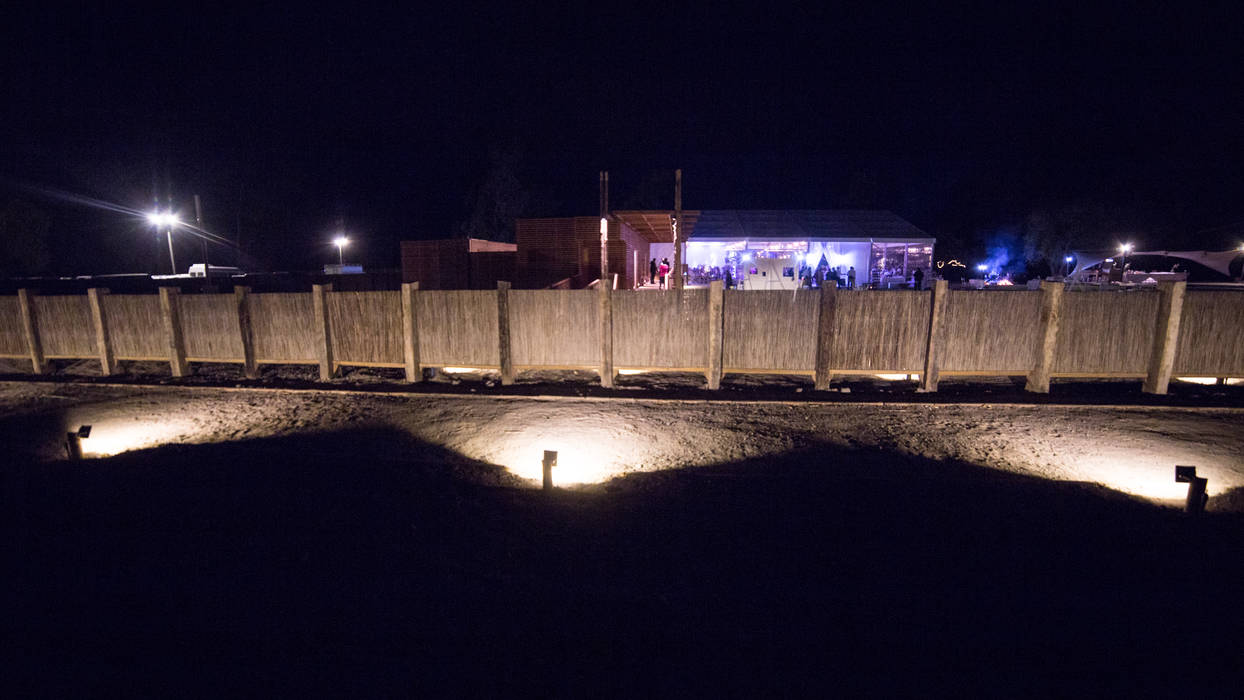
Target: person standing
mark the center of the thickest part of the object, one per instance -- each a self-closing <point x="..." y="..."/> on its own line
<point x="729" y="279"/>
<point x="652" y="271"/>
<point x="663" y="270"/>
<point x="919" y="277"/>
<point x="851" y="278"/>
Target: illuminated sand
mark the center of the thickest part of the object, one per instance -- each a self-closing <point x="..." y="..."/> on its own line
<point x="1133" y="450"/>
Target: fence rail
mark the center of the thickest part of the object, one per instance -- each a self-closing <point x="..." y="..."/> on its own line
<point x="1050" y="332"/>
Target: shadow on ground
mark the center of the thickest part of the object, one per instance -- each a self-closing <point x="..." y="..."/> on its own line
<point x="357" y="561"/>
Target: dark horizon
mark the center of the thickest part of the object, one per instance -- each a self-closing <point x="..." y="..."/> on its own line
<point x="966" y="122"/>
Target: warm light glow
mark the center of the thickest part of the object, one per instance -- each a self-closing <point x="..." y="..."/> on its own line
<point x="630" y="371"/>
<point x="585" y="455"/>
<point x="462" y="370"/>
<point x="341" y="241"/>
<point x="112" y="437"/>
<point x="1209" y="380"/>
<point x="604" y="227"/>
<point x="896" y="377"/>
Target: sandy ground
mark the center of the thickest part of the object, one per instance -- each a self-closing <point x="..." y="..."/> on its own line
<point x="1129" y="449"/>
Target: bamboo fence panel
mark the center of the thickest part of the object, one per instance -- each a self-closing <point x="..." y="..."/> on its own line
<point x="1211" y="335"/>
<point x="366" y="327"/>
<point x="770" y="330"/>
<point x="12" y="335"/>
<point x="458" y="329"/>
<point x="136" y="326"/>
<point x="1106" y="332"/>
<point x="880" y="331"/>
<point x="555" y="328"/>
<point x="653" y="329"/>
<point x="209" y="325"/>
<point x="284" y="328"/>
<point x="991" y="330"/>
<point x="65" y="326"/>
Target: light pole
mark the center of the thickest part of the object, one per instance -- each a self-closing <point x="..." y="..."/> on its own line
<point x="340" y="242"/>
<point x="1068" y="260"/>
<point x="1123" y="251"/>
<point x="168" y="220"/>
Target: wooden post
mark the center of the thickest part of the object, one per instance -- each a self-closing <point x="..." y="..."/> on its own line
<point x="1165" y="337"/>
<point x="928" y="380"/>
<point x="410" y="332"/>
<point x="171" y="309"/>
<point x="825" y="336"/>
<point x="1051" y="312"/>
<point x="103" y="341"/>
<point x="716" y="333"/>
<point x="606" y="335"/>
<point x="30" y="324"/>
<point x="503" y="334"/>
<point x="677" y="230"/>
<point x="324" y="342"/>
<point x="242" y="298"/>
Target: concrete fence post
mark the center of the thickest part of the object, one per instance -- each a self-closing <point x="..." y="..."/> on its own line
<point x="1165" y="337"/>
<point x="103" y="340"/>
<point x="504" y="355"/>
<point x="1051" y="313"/>
<point x="410" y="332"/>
<point x="716" y="333"/>
<point x="170" y="308"/>
<point x="30" y="326"/>
<point x="242" y="299"/>
<point x="323" y="331"/>
<point x="826" y="317"/>
<point x="606" y="335"/>
<point x="932" y="363"/>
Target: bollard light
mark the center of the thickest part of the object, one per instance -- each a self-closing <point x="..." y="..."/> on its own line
<point x="73" y="442"/>
<point x="550" y="461"/>
<point x="1197" y="498"/>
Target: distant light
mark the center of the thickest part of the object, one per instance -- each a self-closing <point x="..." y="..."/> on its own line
<point x="1125" y="248"/>
<point x="341" y="241"/>
<point x="157" y="218"/>
<point x="982" y="268"/>
<point x="812" y="258"/>
<point x="604" y="226"/>
<point x="1068" y="259"/>
<point x="747" y="256"/>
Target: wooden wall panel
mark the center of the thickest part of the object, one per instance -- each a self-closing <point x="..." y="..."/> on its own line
<point x="366" y="327"/>
<point x="770" y="330"/>
<point x="991" y="330"/>
<point x="209" y="324"/>
<point x="458" y="329"/>
<point x="881" y="331"/>
<point x="136" y="326"/>
<point x="12" y="337"/>
<point x="284" y="328"/>
<point x="653" y="329"/>
<point x="1211" y="335"/>
<point x="555" y="328"/>
<point x="1106" y="332"/>
<point x="65" y="326"/>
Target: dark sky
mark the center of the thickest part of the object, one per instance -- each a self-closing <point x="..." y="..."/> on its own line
<point x="963" y="119"/>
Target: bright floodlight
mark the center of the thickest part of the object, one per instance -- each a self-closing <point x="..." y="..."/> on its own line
<point x="982" y="268"/>
<point x="1068" y="259"/>
<point x="341" y="241"/>
<point x="1125" y="248"/>
<point x="161" y="219"/>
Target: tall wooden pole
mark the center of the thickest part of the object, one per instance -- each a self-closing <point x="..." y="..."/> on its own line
<point x="677" y="226"/>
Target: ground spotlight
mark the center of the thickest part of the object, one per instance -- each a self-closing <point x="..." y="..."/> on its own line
<point x="550" y="461"/>
<point x="1197" y="498"/>
<point x="73" y="442"/>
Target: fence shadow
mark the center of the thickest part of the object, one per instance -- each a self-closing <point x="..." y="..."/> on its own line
<point x="364" y="559"/>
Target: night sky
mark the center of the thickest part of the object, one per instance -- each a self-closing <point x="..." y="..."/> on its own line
<point x="289" y="120"/>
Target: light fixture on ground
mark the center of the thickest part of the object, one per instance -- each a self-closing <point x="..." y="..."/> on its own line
<point x="550" y="461"/>
<point x="1197" y="497"/>
<point x="73" y="441"/>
